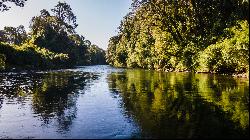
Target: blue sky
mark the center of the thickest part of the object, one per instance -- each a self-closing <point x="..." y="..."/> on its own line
<point x="97" y="19"/>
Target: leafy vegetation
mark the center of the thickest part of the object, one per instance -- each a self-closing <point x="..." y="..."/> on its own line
<point x="228" y="54"/>
<point x="183" y="36"/>
<point x="32" y="57"/>
<point x="95" y="55"/>
<point x="51" y="43"/>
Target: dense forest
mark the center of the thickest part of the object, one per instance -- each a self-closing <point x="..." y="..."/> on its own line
<point x="183" y="35"/>
<point x="51" y="43"/>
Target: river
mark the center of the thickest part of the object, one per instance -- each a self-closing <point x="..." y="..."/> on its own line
<point x="105" y="102"/>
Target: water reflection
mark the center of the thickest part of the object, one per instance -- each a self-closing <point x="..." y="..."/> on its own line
<point x="52" y="95"/>
<point x="103" y="102"/>
<point x="184" y="105"/>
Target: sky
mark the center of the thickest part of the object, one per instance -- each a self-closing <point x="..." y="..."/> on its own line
<point x="97" y="20"/>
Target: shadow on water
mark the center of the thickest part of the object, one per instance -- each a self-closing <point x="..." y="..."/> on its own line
<point x="53" y="94"/>
<point x="183" y="105"/>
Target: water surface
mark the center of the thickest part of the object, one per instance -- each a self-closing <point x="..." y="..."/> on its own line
<point x="105" y="102"/>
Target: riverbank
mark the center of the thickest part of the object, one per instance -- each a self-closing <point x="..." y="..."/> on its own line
<point x="237" y="75"/>
<point x="234" y="74"/>
<point x="32" y="69"/>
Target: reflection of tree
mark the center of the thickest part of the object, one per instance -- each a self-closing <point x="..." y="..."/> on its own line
<point x="229" y="96"/>
<point x="56" y="97"/>
<point x="54" y="94"/>
<point x="180" y="105"/>
<point x="17" y="86"/>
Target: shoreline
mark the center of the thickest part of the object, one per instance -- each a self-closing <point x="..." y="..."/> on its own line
<point x="236" y="75"/>
<point x="18" y="69"/>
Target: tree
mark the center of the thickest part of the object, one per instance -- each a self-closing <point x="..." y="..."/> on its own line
<point x="14" y="35"/>
<point x="64" y="12"/>
<point x="55" y="32"/>
<point x="52" y="42"/>
<point x="171" y="34"/>
<point x="95" y="55"/>
<point x="111" y="51"/>
<point x="4" y="4"/>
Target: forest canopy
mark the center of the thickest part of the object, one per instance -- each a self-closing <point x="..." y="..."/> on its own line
<point x="183" y="35"/>
<point x="51" y="43"/>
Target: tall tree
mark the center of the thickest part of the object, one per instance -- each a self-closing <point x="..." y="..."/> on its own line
<point x="64" y="12"/>
<point x="171" y="34"/>
<point x="14" y="35"/>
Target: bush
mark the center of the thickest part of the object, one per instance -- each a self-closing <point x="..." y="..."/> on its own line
<point x="229" y="54"/>
<point x="32" y="56"/>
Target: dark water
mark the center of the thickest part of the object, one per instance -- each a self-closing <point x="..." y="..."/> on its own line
<point x="104" y="102"/>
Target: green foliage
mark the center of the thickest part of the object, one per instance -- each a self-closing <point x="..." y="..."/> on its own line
<point x="95" y="55"/>
<point x="33" y="57"/>
<point x="171" y="35"/>
<point x="55" y="34"/>
<point x="230" y="54"/>
<point x="13" y="35"/>
<point x="52" y="42"/>
<point x="115" y="55"/>
<point x="64" y="12"/>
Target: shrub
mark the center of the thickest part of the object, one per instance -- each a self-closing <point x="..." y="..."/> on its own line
<point x="32" y="56"/>
<point x="229" y="54"/>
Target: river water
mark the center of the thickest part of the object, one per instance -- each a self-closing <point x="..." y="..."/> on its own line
<point x="105" y="102"/>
